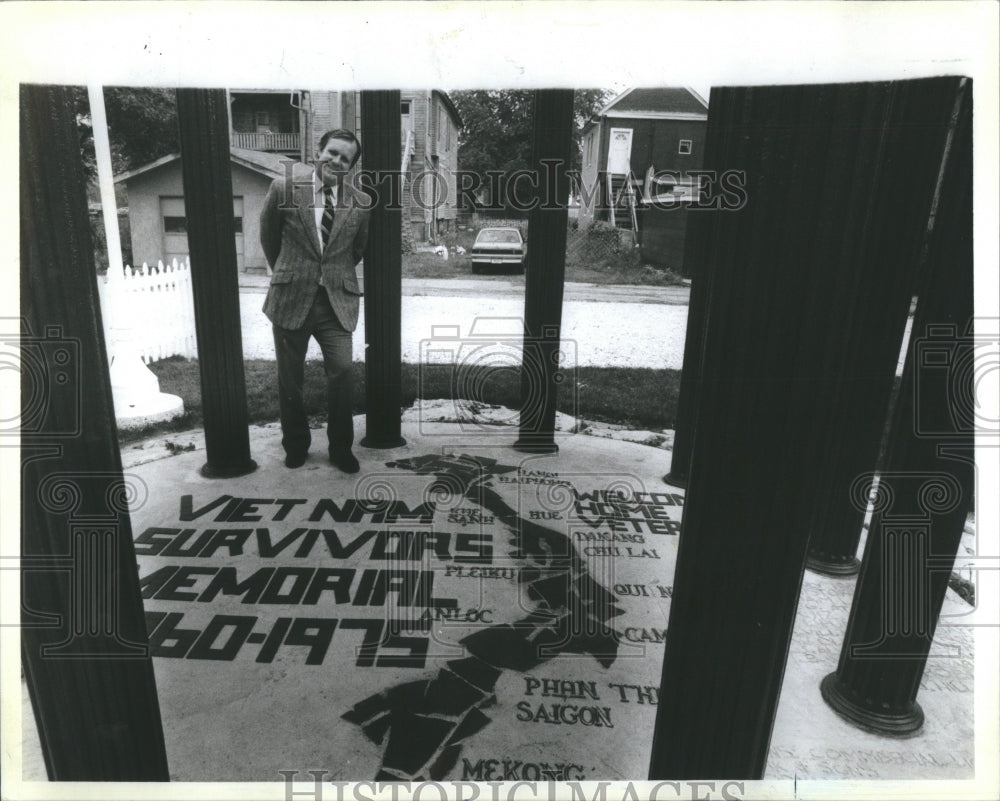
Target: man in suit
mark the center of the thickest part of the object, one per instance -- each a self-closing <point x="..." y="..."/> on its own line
<point x="313" y="229"/>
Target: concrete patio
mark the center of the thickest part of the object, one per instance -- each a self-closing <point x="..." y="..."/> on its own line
<point x="380" y="626"/>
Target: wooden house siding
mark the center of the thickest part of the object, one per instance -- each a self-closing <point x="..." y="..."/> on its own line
<point x="325" y="115"/>
<point x="419" y="161"/>
<point x="446" y="150"/>
<point x="588" y="174"/>
<point x="656" y="142"/>
<point x="663" y="235"/>
<point x="435" y="135"/>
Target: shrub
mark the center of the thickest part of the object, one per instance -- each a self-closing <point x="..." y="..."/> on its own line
<point x="408" y="239"/>
<point x="608" y="237"/>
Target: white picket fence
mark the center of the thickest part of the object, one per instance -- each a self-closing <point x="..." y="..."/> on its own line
<point x="152" y="308"/>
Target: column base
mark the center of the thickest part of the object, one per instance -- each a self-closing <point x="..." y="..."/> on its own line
<point x="676" y="480"/>
<point x="382" y="444"/>
<point x="838" y="567"/>
<point x="905" y="723"/>
<point x="535" y="446"/>
<point x="209" y="470"/>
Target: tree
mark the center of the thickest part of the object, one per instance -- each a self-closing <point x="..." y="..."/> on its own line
<point x="142" y="125"/>
<point x="586" y="104"/>
<point x="497" y="123"/>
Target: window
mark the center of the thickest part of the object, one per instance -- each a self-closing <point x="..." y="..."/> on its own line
<point x="238" y="214"/>
<point x="684" y="147"/>
<point x="175" y="225"/>
<point x="175" y="220"/>
<point x="404" y="107"/>
<point x="498" y="236"/>
<point x="178" y="225"/>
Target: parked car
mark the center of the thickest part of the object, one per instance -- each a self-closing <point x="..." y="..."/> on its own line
<point x="499" y="247"/>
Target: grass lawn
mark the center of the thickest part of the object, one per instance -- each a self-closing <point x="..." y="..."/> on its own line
<point x="640" y="398"/>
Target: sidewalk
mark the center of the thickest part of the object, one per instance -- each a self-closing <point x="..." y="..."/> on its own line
<point x="504" y="287"/>
<point x="602" y="326"/>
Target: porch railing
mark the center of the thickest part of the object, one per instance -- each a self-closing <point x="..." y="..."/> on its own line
<point x="265" y="141"/>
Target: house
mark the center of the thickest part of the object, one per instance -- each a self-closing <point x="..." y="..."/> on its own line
<point x="158" y="223"/>
<point x="288" y="122"/>
<point x="642" y="135"/>
<point x="291" y="123"/>
<point x="268" y="128"/>
<point x="430" y="125"/>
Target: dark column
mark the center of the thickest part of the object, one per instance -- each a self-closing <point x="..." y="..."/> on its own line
<point x="552" y="153"/>
<point x="83" y="637"/>
<point x="383" y="271"/>
<point x="203" y="117"/>
<point x="925" y="489"/>
<point x="697" y="251"/>
<point x="884" y="235"/>
<point x="687" y="401"/>
<point x="781" y="281"/>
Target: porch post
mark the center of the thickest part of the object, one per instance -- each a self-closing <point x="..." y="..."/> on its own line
<point x="552" y="154"/>
<point x="925" y="489"/>
<point x="83" y="633"/>
<point x="383" y="271"/>
<point x="203" y="121"/>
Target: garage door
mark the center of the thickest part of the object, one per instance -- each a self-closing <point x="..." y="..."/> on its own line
<point x="174" y="227"/>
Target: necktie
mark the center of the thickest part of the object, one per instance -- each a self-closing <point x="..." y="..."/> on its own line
<point x="327" y="223"/>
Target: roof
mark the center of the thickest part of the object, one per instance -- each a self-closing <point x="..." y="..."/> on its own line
<point x="270" y="165"/>
<point x="128" y="175"/>
<point x="675" y="102"/>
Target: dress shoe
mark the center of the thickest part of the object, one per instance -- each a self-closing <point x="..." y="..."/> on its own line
<point x="295" y="459"/>
<point x="344" y="460"/>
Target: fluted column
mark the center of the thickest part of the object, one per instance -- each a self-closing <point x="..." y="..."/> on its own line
<point x="84" y="649"/>
<point x="552" y="154"/>
<point x="203" y="120"/>
<point x="924" y="491"/>
<point x="783" y="276"/>
<point x="699" y="250"/>
<point x="383" y="271"/>
<point x="884" y="236"/>
<point x="696" y="250"/>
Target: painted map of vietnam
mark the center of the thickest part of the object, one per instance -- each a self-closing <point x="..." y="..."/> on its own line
<point x="423" y="723"/>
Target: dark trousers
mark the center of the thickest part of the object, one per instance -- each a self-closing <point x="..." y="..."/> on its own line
<point x="290" y="350"/>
